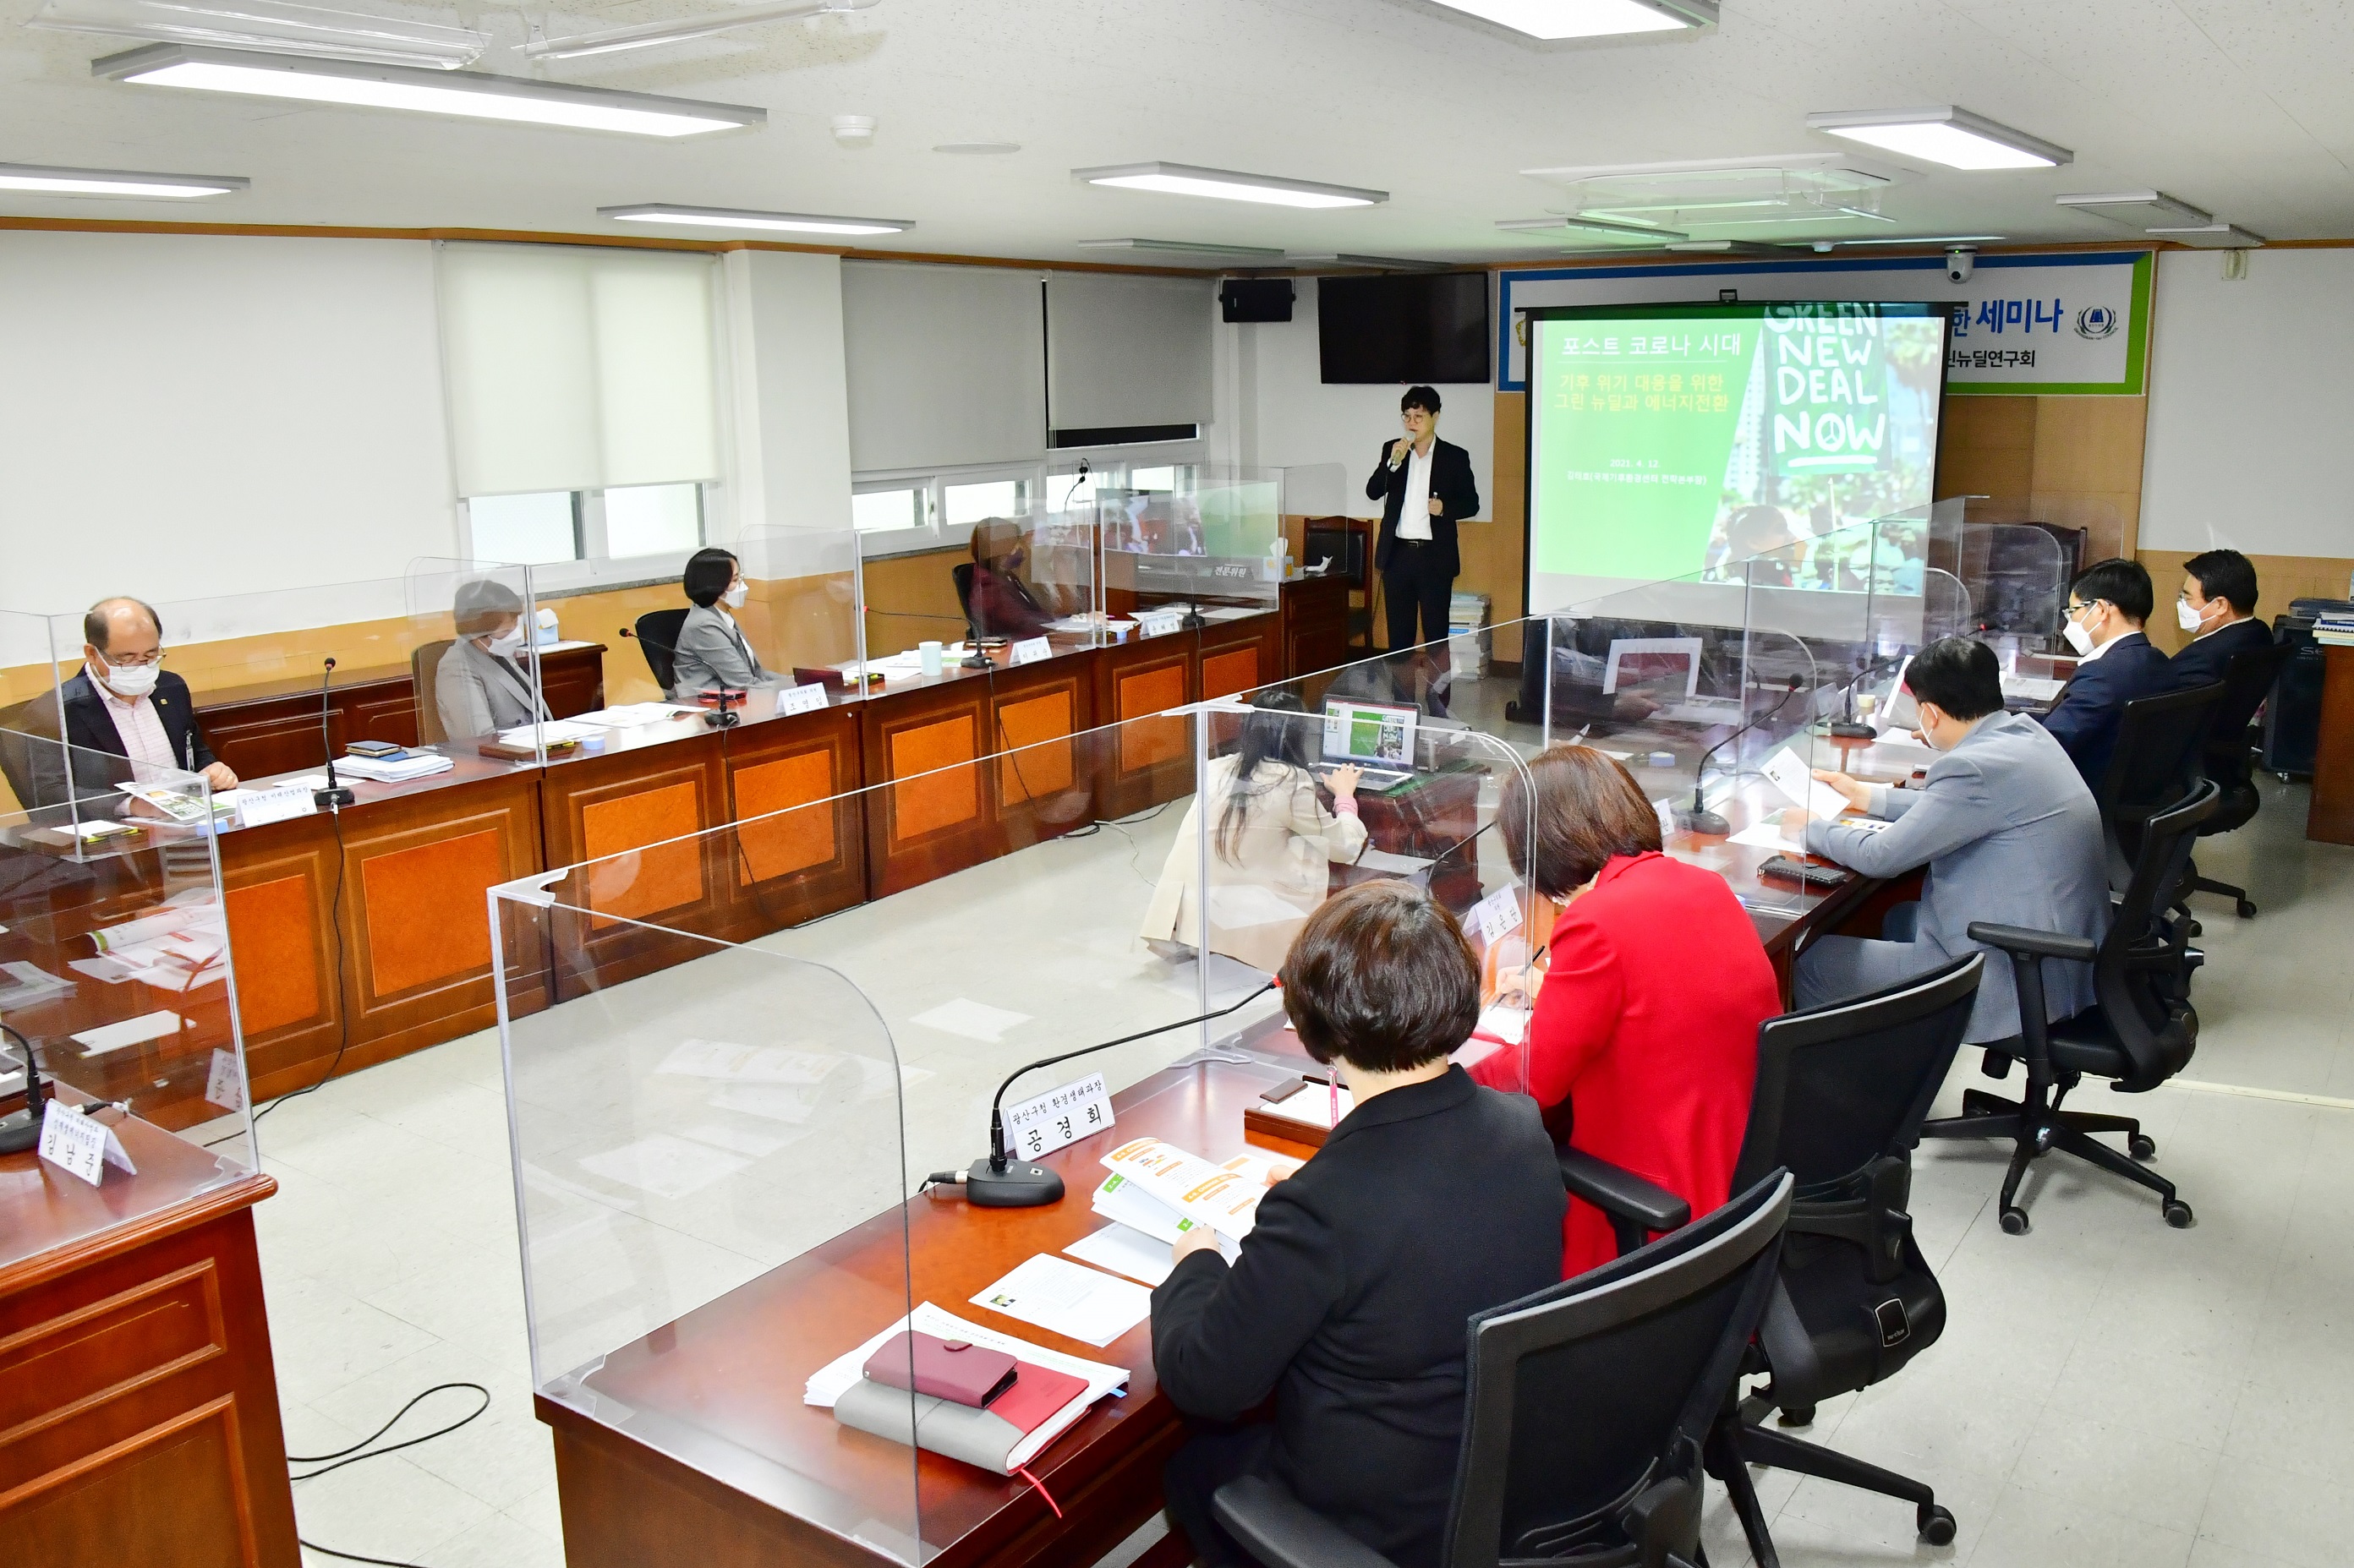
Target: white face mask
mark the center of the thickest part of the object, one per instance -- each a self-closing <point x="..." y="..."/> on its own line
<point x="132" y="680"/>
<point x="2190" y="620"/>
<point x="506" y="643"/>
<point x="2078" y="638"/>
<point x="735" y="597"/>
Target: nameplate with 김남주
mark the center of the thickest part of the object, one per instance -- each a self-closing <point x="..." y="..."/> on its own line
<point x="804" y="699"/>
<point x="81" y="1144"/>
<point x="225" y="1084"/>
<point x="1040" y="1126"/>
<point x="1498" y="913"/>
<point x="1029" y="650"/>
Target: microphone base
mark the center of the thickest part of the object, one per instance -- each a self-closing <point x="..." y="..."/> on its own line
<point x="332" y="799"/>
<point x="976" y="659"/>
<point x="1020" y="1185"/>
<point x="1843" y="730"/>
<point x="1704" y="823"/>
<point x="19" y="1131"/>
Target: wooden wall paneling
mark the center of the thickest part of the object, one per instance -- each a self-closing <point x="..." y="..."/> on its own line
<point x="1495" y="552"/>
<point x="141" y="1423"/>
<point x="631" y="812"/>
<point x="1147" y="760"/>
<point x="1986" y="445"/>
<point x="801" y="850"/>
<point x="279" y="884"/>
<point x="921" y="585"/>
<point x="2086" y="472"/>
<point x="2280" y="581"/>
<point x="926" y="808"/>
<point x="416" y="868"/>
<point x="1045" y="781"/>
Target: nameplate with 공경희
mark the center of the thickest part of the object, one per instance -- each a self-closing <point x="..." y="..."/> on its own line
<point x="1029" y="650"/>
<point x="1041" y="1125"/>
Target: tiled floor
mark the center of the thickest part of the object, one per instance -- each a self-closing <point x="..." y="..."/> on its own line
<point x="2108" y="1391"/>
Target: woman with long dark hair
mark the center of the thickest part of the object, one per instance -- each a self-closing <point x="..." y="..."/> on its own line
<point x="1271" y="842"/>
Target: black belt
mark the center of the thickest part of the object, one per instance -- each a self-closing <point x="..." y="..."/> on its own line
<point x="1411" y="544"/>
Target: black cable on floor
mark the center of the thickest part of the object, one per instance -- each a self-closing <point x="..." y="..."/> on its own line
<point x="354" y="1455"/>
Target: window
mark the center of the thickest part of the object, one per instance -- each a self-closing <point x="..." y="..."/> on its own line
<point x="654" y="520"/>
<point x="527" y="530"/>
<point x="882" y="511"/>
<point x="965" y="505"/>
<point x="1164" y="478"/>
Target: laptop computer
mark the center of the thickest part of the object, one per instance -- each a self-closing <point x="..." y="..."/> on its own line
<point x="1375" y="737"/>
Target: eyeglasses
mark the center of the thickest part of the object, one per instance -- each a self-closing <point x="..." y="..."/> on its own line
<point x="132" y="660"/>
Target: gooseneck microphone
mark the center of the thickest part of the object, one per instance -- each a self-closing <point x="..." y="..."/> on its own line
<point x="1846" y="727"/>
<point x="334" y="797"/>
<point x="997" y="1180"/>
<point x="1697" y="817"/>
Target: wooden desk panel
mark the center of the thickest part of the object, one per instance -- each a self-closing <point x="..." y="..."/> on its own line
<point x="926" y="812"/>
<point x="139" y="1416"/>
<point x="801" y="853"/>
<point x="1315" y="626"/>
<point x="2329" y="817"/>
<point x="1148" y="760"/>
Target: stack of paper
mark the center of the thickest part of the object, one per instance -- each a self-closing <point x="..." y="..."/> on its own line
<point x="395" y="769"/>
<point x="2033" y="688"/>
<point x="548" y="734"/>
<point x="175" y="946"/>
<point x="630" y="715"/>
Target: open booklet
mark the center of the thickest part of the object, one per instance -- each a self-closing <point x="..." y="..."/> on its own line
<point x="971" y="1435"/>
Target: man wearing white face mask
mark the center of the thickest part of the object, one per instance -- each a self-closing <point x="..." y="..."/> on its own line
<point x="2007" y="830"/>
<point x="712" y="652"/>
<point x="2217" y="607"/>
<point x="2107" y="605"/>
<point x="480" y="686"/>
<point x="124" y="702"/>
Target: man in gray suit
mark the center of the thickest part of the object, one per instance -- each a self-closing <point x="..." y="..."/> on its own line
<point x="2007" y="831"/>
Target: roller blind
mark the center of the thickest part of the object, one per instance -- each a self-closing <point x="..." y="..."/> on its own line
<point x="944" y="366"/>
<point x="569" y="367"/>
<point x="1124" y="350"/>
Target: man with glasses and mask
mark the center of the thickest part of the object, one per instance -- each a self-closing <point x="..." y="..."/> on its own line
<point x="2107" y="605"/>
<point x="124" y="702"/>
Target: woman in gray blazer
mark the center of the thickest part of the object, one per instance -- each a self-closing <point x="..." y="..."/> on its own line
<point x="478" y="687"/>
<point x="712" y="650"/>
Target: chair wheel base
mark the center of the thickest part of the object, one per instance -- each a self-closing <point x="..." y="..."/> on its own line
<point x="2014" y="1221"/>
<point x="2247" y="911"/>
<point x="2177" y="1213"/>
<point x="1936" y="1525"/>
<point x="2141" y="1146"/>
<point x="1797" y="1416"/>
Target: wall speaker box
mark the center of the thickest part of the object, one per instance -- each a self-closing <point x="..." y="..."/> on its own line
<point x="1257" y="299"/>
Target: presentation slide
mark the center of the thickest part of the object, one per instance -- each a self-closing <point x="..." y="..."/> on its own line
<point x="1677" y="441"/>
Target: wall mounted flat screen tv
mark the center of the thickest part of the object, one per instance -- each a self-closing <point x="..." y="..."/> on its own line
<point x="1404" y="328"/>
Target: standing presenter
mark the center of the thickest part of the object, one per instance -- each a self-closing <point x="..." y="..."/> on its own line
<point x="1425" y="486"/>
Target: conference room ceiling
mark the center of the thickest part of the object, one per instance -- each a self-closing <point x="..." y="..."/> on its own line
<point x="2240" y="107"/>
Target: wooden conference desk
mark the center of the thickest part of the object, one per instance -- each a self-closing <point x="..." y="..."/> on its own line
<point x="721" y="1385"/>
<point x="381" y="932"/>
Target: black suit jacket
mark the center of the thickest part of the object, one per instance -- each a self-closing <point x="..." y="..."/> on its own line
<point x="1351" y="1297"/>
<point x="1451" y="485"/>
<point x="90" y="728"/>
<point x="2201" y="663"/>
<point x="2085" y="716"/>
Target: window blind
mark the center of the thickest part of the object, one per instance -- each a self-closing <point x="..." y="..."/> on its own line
<point x="944" y="366"/>
<point x="570" y="367"/>
<point x="1125" y="350"/>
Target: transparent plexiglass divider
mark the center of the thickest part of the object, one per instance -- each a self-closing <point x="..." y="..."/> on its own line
<point x="1016" y="587"/>
<point x="474" y="639"/>
<point x="2016" y="570"/>
<point x="712" y="1205"/>
<point x="34" y="666"/>
<point x="800" y="614"/>
<point x="1196" y="558"/>
<point x="1296" y="806"/>
<point x="115" y="952"/>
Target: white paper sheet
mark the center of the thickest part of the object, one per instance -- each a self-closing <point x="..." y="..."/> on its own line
<point x="1903" y="737"/>
<point x="1766" y="834"/>
<point x="663" y="1165"/>
<point x="970" y="1019"/>
<point x="1061" y="1297"/>
<point x="1786" y="773"/>
<point x="629" y="716"/>
<point x="1125" y="1251"/>
<point x="130" y="1032"/>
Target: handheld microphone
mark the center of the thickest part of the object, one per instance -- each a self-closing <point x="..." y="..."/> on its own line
<point x="996" y="1181"/>
<point x="1698" y="817"/>
<point x="334" y="797"/>
<point x="20" y="1130"/>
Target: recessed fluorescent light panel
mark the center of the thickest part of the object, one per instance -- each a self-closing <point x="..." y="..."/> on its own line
<point x="2210" y="237"/>
<point x="40" y="180"/>
<point x="2137" y="209"/>
<point x="465" y="94"/>
<point x="1553" y="19"/>
<point x="319" y="30"/>
<point x="1594" y="229"/>
<point x="1181" y="247"/>
<point x="646" y="34"/>
<point x="1375" y="264"/>
<point x="1184" y="179"/>
<point x="1923" y="240"/>
<point x="977" y="149"/>
<point x="1943" y="135"/>
<point x="734" y="217"/>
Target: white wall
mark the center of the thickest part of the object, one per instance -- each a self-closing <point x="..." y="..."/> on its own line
<point x="184" y="416"/>
<point x="2250" y="404"/>
<point x="1275" y="411"/>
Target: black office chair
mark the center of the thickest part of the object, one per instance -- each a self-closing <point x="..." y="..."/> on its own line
<point x="2229" y="757"/>
<point x="2161" y="740"/>
<point x="1587" y="1407"/>
<point x="962" y="573"/>
<point x="657" y="635"/>
<point x="1841" y="1094"/>
<point x="2140" y="1030"/>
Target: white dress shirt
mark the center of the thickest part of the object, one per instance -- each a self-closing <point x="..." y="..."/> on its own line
<point x="1413" y="512"/>
<point x="136" y="721"/>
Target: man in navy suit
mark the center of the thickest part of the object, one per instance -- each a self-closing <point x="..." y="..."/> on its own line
<point x="1423" y="484"/>
<point x="2107" y="606"/>
<point x="2218" y="607"/>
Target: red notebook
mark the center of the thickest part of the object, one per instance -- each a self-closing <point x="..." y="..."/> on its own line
<point x="1037" y="1393"/>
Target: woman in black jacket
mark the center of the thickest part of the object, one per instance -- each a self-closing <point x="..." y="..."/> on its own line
<point x="1433" y="1200"/>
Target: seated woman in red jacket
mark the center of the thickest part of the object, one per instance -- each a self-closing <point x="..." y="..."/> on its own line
<point x="1647" y="1022"/>
<point x="1000" y="603"/>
